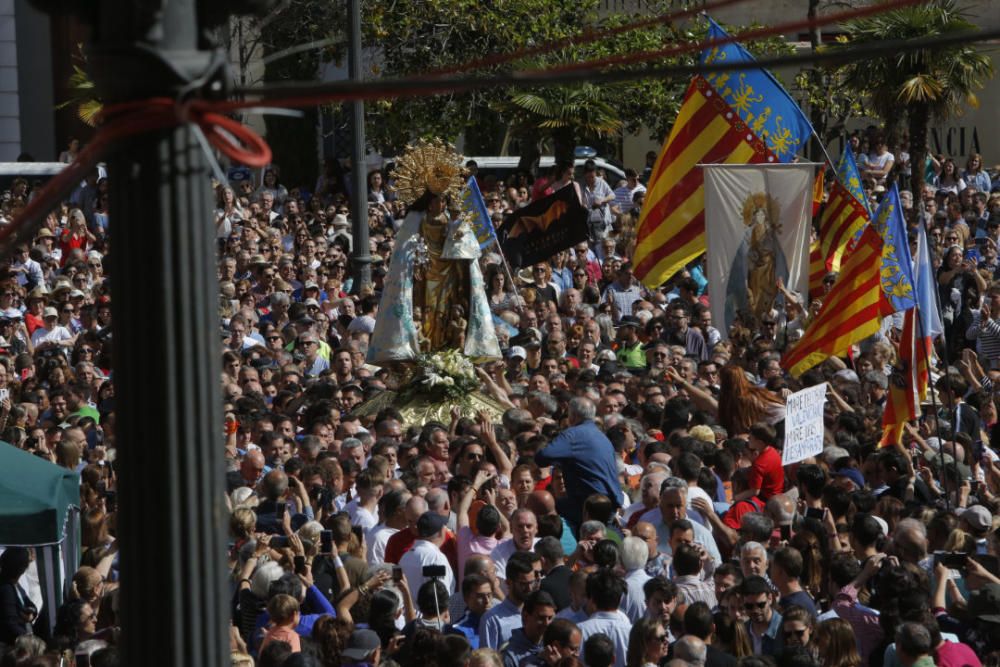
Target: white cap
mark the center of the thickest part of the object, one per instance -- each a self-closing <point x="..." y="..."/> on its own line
<point x="517" y="351"/>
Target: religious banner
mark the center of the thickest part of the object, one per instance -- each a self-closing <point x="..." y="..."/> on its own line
<point x="474" y="207"/>
<point x="804" y="424"/>
<point x="544" y="227"/>
<point x="757" y="220"/>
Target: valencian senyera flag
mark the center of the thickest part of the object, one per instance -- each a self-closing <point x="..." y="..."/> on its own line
<point x="911" y="374"/>
<point x="544" y="227"/>
<point x="757" y="219"/>
<point x="845" y="214"/>
<point x="817" y="267"/>
<point x="474" y="207"/>
<point x="738" y="117"/>
<point x="875" y="281"/>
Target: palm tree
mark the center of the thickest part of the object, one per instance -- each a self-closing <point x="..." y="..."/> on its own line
<point x="927" y="84"/>
<point x="564" y="115"/>
<point x="82" y="92"/>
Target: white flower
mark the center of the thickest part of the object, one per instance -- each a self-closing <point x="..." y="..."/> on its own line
<point x="447" y="381"/>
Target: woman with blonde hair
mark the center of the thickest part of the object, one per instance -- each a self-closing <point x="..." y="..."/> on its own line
<point x="240" y="659"/>
<point x="975" y="176"/>
<point x="731" y="635"/>
<point x="835" y="644"/>
<point x="485" y="657"/>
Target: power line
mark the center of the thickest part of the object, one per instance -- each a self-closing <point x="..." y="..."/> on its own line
<point x="312" y="93"/>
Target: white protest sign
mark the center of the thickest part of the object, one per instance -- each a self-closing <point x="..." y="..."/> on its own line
<point x="804" y="424"/>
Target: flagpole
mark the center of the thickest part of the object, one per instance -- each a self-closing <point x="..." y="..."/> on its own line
<point x="505" y="263"/>
<point x="822" y="147"/>
<point x="933" y="392"/>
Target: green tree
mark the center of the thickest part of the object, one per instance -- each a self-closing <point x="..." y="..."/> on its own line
<point x="418" y="37"/>
<point x="567" y="115"/>
<point x="924" y="84"/>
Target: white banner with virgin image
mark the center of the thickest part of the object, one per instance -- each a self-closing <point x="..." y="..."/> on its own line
<point x="757" y="224"/>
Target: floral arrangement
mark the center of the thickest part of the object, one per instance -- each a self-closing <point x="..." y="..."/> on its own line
<point x="443" y="375"/>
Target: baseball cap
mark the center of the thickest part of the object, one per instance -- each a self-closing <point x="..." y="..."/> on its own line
<point x="629" y="321"/>
<point x="360" y="645"/>
<point x="852" y="474"/>
<point x="430" y="524"/>
<point x="50" y="312"/>
<point x="517" y="351"/>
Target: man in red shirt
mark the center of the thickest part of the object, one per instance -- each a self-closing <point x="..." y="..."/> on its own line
<point x="767" y="477"/>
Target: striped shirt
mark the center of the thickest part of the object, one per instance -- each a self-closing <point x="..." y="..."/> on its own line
<point x="987" y="337"/>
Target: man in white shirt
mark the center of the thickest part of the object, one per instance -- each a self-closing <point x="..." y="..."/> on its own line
<point x="626" y="192"/>
<point x="524" y="535"/>
<point x="392" y="510"/>
<point x="28" y="271"/>
<point x="673" y="507"/>
<point x="426" y="551"/>
<point x="51" y="335"/>
<point x="635" y="552"/>
<point x="604" y="594"/>
<point x="597" y="198"/>
<point x="363" y="509"/>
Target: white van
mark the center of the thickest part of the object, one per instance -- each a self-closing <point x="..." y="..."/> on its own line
<point x="505" y="167"/>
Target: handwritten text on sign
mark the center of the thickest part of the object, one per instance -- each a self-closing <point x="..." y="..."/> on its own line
<point x="804" y="424"/>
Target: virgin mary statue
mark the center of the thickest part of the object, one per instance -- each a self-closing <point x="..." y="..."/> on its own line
<point x="434" y="298"/>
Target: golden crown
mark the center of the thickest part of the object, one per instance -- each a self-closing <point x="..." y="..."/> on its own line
<point x="429" y="166"/>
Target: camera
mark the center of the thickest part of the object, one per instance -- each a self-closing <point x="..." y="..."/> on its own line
<point x="432" y="571"/>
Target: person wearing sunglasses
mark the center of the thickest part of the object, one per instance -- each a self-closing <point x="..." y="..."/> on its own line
<point x="764" y="622"/>
<point x="797" y="626"/>
<point x="648" y="643"/>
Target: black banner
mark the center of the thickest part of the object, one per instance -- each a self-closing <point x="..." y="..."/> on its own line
<point x="542" y="228"/>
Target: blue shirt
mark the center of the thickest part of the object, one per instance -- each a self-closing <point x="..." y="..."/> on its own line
<point x="519" y="649"/>
<point x="468" y="627"/>
<point x="498" y="623"/>
<point x="587" y="460"/>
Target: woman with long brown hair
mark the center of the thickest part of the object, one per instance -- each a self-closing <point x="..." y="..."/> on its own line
<point x="835" y="644"/>
<point x="740" y="404"/>
<point x="647" y="643"/>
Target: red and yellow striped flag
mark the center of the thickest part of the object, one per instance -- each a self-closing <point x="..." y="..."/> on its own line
<point x="842" y="218"/>
<point x="671" y="231"/>
<point x="852" y="311"/>
<point x="908" y="381"/>
<point x="817" y="270"/>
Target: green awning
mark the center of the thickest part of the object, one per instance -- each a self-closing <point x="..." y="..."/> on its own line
<point x="35" y="497"/>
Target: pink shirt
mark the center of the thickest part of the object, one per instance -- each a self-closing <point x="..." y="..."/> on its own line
<point x="950" y="654"/>
<point x="282" y="634"/>
<point x="469" y="544"/>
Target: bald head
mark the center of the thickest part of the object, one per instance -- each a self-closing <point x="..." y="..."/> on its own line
<point x="781" y="509"/>
<point x="691" y="650"/>
<point x="478" y="564"/>
<point x="541" y="502"/>
<point x="415" y="507"/>
<point x="437" y="501"/>
<point x="275" y="485"/>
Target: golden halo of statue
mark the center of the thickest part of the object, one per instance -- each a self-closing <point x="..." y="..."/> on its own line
<point x="428" y="166"/>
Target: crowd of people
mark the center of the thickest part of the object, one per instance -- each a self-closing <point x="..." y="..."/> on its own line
<point x="629" y="509"/>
